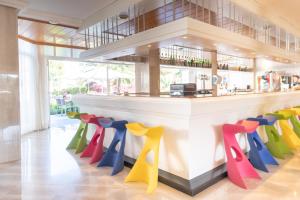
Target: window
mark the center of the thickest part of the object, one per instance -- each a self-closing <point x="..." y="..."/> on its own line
<point x="171" y="75"/>
<point x="68" y="78"/>
<point x="121" y="78"/>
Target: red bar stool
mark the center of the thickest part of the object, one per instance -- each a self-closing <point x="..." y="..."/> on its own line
<point x="238" y="167"/>
<point x="95" y="147"/>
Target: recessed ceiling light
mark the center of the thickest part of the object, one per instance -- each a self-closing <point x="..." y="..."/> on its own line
<point x="149" y="46"/>
<point x="123" y="15"/>
<point x="184" y="37"/>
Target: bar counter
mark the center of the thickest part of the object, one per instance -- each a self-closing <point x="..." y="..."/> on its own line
<point x="192" y="156"/>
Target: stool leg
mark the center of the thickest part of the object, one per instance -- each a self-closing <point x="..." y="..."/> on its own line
<point x="98" y="152"/>
<point x="289" y="135"/>
<point x="73" y="143"/>
<point x="275" y="144"/>
<point x="83" y="141"/>
<point x="143" y="171"/>
<point x="110" y="154"/>
<point x="112" y="157"/>
<point x="140" y="168"/>
<point x="296" y="125"/>
<point x="259" y="156"/>
<point x="119" y="161"/>
<point x="238" y="167"/>
<point x="89" y="150"/>
<point x="153" y="177"/>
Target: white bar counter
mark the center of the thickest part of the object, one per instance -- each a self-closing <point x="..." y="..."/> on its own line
<point x="192" y="144"/>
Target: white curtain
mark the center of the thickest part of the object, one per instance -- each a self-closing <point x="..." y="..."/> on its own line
<point x="34" y="96"/>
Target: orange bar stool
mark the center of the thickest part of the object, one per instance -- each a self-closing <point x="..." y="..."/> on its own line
<point x="95" y="147"/>
<point x="142" y="170"/>
<point x="238" y="167"/>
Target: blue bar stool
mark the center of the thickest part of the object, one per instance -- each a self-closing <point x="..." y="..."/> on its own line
<point x="112" y="157"/>
<point x="259" y="155"/>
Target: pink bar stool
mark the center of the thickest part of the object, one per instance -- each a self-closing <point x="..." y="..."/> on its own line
<point x="95" y="147"/>
<point x="238" y="167"/>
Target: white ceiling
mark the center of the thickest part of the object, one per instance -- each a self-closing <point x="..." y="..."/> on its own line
<point x="64" y="11"/>
<point x="79" y="9"/>
<point x="284" y="13"/>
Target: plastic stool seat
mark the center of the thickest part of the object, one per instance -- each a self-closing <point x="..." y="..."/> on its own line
<point x="142" y="170"/>
<point x="74" y="115"/>
<point x="112" y="157"/>
<point x="95" y="147"/>
<point x="79" y="141"/>
<point x="238" y="167"/>
<point x="87" y="118"/>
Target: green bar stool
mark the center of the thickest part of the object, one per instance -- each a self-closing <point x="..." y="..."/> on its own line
<point x="275" y="144"/>
<point x="288" y="134"/>
<point x="79" y="140"/>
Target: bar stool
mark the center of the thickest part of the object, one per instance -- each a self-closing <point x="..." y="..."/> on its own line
<point x="79" y="140"/>
<point x="112" y="157"/>
<point x="95" y="147"/>
<point x="295" y="120"/>
<point x="142" y="170"/>
<point x="289" y="136"/>
<point x="275" y="144"/>
<point x="259" y="155"/>
<point x="292" y="114"/>
<point x="238" y="167"/>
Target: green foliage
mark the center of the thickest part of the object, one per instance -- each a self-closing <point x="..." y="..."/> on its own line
<point x="71" y="90"/>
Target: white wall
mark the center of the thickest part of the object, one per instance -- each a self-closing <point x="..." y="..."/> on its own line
<point x="142" y="77"/>
<point x="268" y="65"/>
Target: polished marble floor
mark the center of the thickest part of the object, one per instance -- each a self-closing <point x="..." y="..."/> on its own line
<point x="47" y="171"/>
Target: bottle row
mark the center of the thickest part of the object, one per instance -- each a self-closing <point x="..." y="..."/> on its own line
<point x="188" y="62"/>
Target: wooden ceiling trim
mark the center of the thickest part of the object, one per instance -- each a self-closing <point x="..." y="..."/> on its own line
<point x="47" y="22"/>
<point x="50" y="43"/>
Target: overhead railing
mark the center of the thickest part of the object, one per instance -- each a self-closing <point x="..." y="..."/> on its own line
<point x="221" y="13"/>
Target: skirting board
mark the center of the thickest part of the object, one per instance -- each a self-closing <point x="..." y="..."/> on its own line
<point x="190" y="187"/>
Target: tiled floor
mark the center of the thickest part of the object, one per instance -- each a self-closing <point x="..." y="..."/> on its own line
<point x="48" y="171"/>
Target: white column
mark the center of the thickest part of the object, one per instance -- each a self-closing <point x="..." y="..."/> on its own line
<point x="9" y="86"/>
<point x="142" y="78"/>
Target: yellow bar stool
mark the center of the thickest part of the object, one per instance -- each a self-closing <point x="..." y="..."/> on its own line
<point x="288" y="134"/>
<point x="292" y="114"/>
<point x="142" y="170"/>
